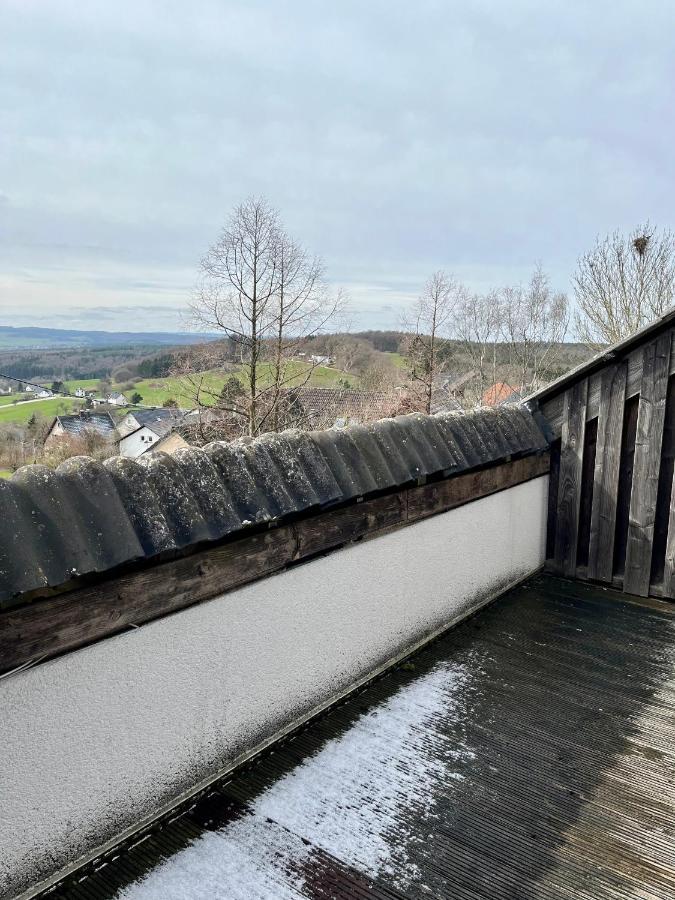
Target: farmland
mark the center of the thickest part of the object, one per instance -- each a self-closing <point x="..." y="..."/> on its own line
<point x="21" y="412"/>
<point x="155" y="391"/>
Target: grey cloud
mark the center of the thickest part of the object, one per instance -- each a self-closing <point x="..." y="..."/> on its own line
<point x="395" y="138"/>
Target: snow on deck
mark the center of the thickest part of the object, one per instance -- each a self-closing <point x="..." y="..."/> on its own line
<point x="351" y="800"/>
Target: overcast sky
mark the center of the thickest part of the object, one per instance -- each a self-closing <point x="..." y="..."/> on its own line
<point x="395" y="138"/>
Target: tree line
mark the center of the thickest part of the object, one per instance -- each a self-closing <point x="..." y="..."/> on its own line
<point x="269" y="298"/>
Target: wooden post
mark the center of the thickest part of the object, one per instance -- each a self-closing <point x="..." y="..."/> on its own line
<point x="569" y="485"/>
<point x="606" y="474"/>
<point x="649" y="435"/>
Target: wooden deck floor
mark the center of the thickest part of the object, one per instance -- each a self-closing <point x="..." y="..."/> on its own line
<point x="530" y="753"/>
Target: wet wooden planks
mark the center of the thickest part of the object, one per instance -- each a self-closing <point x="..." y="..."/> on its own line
<point x="549" y="775"/>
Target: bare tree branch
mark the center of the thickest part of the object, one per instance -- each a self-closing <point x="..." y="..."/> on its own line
<point x="623" y="283"/>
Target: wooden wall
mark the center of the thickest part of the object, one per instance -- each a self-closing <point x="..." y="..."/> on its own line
<point x="611" y="506"/>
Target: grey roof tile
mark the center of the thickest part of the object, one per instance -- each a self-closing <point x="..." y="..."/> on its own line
<point x="209" y="491"/>
<point x="177" y="502"/>
<point x="78" y="423"/>
<point x="248" y="501"/>
<point x="142" y="505"/>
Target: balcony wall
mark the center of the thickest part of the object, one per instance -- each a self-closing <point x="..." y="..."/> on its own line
<point x="97" y="740"/>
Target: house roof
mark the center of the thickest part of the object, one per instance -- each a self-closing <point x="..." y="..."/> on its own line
<point x="454" y="382"/>
<point x="159" y="421"/>
<point x="163" y="503"/>
<point x="75" y="425"/>
<point x="498" y="393"/>
<point x="323" y="406"/>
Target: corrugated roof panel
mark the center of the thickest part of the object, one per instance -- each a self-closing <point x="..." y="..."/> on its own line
<point x="470" y="442"/>
<point x="141" y="504"/>
<point x="313" y="463"/>
<point x="267" y="477"/>
<point x="231" y="465"/>
<point x="382" y="435"/>
<point x="180" y="508"/>
<point x="86" y="517"/>
<point x="371" y="455"/>
<point x="390" y="430"/>
<point x="209" y="491"/>
<point x="284" y="451"/>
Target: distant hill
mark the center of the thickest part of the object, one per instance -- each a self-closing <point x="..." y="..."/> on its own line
<point x="30" y="338"/>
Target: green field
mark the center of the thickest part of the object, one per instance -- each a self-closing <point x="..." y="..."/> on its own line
<point x="155" y="391"/>
<point x="5" y="473"/>
<point x="22" y="412"/>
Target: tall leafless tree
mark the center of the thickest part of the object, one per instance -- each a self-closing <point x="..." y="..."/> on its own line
<point x="429" y="322"/>
<point x="623" y="283"/>
<point x="534" y="322"/>
<point x="265" y="294"/>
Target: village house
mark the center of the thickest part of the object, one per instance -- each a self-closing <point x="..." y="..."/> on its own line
<point x="116" y="399"/>
<point x="145" y="430"/>
<point x="321" y="360"/>
<point x="77" y="424"/>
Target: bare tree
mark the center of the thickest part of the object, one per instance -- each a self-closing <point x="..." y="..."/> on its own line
<point x="428" y="323"/>
<point x="238" y="279"/>
<point x="535" y="320"/>
<point x="267" y="296"/>
<point x="623" y="283"/>
<point x="479" y="327"/>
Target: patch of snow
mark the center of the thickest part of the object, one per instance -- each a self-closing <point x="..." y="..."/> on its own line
<point x="351" y="800"/>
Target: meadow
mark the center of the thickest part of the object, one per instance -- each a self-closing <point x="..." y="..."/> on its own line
<point x="156" y="391"/>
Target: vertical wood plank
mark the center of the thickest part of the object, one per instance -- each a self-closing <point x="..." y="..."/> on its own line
<point x="630" y="417"/>
<point x="569" y="483"/>
<point x="649" y="435"/>
<point x="586" y="501"/>
<point x="669" y="565"/>
<point x="606" y="473"/>
<point x="552" y="511"/>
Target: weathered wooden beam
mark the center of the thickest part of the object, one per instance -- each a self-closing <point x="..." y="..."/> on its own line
<point x="606" y="474"/>
<point x="54" y="625"/>
<point x="569" y="482"/>
<point x="651" y="417"/>
<point x="553" y="407"/>
<point x="452" y="492"/>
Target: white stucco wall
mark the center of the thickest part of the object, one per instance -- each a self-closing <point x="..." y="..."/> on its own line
<point x="138" y="442"/>
<point x="98" y="739"/>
